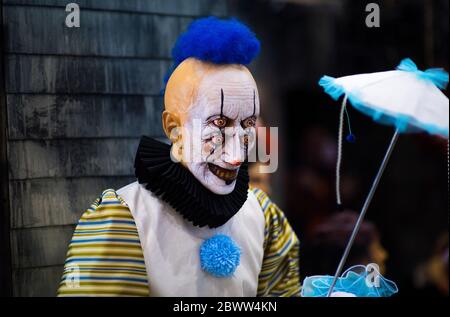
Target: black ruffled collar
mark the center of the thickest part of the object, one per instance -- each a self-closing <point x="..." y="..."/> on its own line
<point x="175" y="184"/>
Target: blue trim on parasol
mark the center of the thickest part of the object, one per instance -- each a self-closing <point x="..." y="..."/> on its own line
<point x="437" y="76"/>
<point x="331" y="87"/>
<point x="404" y="123"/>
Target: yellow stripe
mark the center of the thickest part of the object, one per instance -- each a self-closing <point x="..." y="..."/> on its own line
<point x="111" y="284"/>
<point x="108" y="273"/>
<point x="121" y="226"/>
<point x="107" y="235"/>
<point x="104" y="244"/>
<point x="106" y="264"/>
<point x="107" y="227"/>
<point x="94" y="290"/>
<point x="111" y="253"/>
<point x="113" y="210"/>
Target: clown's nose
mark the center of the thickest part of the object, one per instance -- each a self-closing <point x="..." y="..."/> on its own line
<point x="235" y="163"/>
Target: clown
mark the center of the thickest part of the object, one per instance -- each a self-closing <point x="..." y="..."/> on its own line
<point x="190" y="225"/>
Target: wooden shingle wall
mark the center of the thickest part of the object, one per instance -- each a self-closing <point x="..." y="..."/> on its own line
<point x="77" y="101"/>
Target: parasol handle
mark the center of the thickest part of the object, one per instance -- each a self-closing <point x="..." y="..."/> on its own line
<point x="364" y="210"/>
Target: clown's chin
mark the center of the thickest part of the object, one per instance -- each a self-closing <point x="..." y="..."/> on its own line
<point x="227" y="175"/>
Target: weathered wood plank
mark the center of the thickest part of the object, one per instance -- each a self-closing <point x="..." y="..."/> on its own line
<point x="111" y="34"/>
<point x="50" y="202"/>
<point x="40" y="246"/>
<point x="42" y="282"/>
<point x="175" y="7"/>
<point x="118" y="35"/>
<point x="184" y="23"/>
<point x="64" y="74"/>
<point x="87" y="116"/>
<point x="166" y="32"/>
<point x="71" y="158"/>
<point x="5" y="250"/>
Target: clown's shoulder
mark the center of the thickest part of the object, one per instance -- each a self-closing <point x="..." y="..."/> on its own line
<point x="104" y="257"/>
<point x="280" y="274"/>
<point x="109" y="249"/>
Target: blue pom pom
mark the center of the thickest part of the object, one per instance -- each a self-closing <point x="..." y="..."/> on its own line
<point x="215" y="40"/>
<point x="219" y="256"/>
<point x="351" y="138"/>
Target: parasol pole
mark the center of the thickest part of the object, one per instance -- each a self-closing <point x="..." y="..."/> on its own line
<point x="364" y="210"/>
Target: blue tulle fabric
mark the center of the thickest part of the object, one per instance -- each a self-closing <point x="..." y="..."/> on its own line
<point x="353" y="281"/>
<point x="404" y="123"/>
<point x="331" y="87"/>
<point x="437" y="76"/>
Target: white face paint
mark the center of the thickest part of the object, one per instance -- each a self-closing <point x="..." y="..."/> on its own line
<point x="221" y="125"/>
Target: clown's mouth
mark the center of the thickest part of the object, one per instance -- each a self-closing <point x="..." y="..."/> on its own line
<point x="227" y="175"/>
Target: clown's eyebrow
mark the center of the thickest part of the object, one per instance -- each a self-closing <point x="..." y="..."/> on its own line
<point x="254" y="102"/>
<point x="221" y="102"/>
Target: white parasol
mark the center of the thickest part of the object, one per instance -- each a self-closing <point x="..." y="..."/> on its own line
<point x="407" y="98"/>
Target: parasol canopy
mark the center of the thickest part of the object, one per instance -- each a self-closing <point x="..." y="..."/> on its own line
<point x="407" y="98"/>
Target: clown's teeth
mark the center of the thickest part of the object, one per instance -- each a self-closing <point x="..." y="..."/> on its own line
<point x="227" y="175"/>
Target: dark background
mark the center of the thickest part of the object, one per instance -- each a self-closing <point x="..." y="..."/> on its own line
<point x="303" y="40"/>
<point x="75" y="101"/>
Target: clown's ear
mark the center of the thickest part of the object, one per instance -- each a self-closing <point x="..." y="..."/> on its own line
<point x="171" y="125"/>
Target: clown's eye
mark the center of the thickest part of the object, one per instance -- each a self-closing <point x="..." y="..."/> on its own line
<point x="249" y="123"/>
<point x="245" y="139"/>
<point x="220" y="122"/>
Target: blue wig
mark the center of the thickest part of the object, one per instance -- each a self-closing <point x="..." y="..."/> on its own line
<point x="214" y="40"/>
